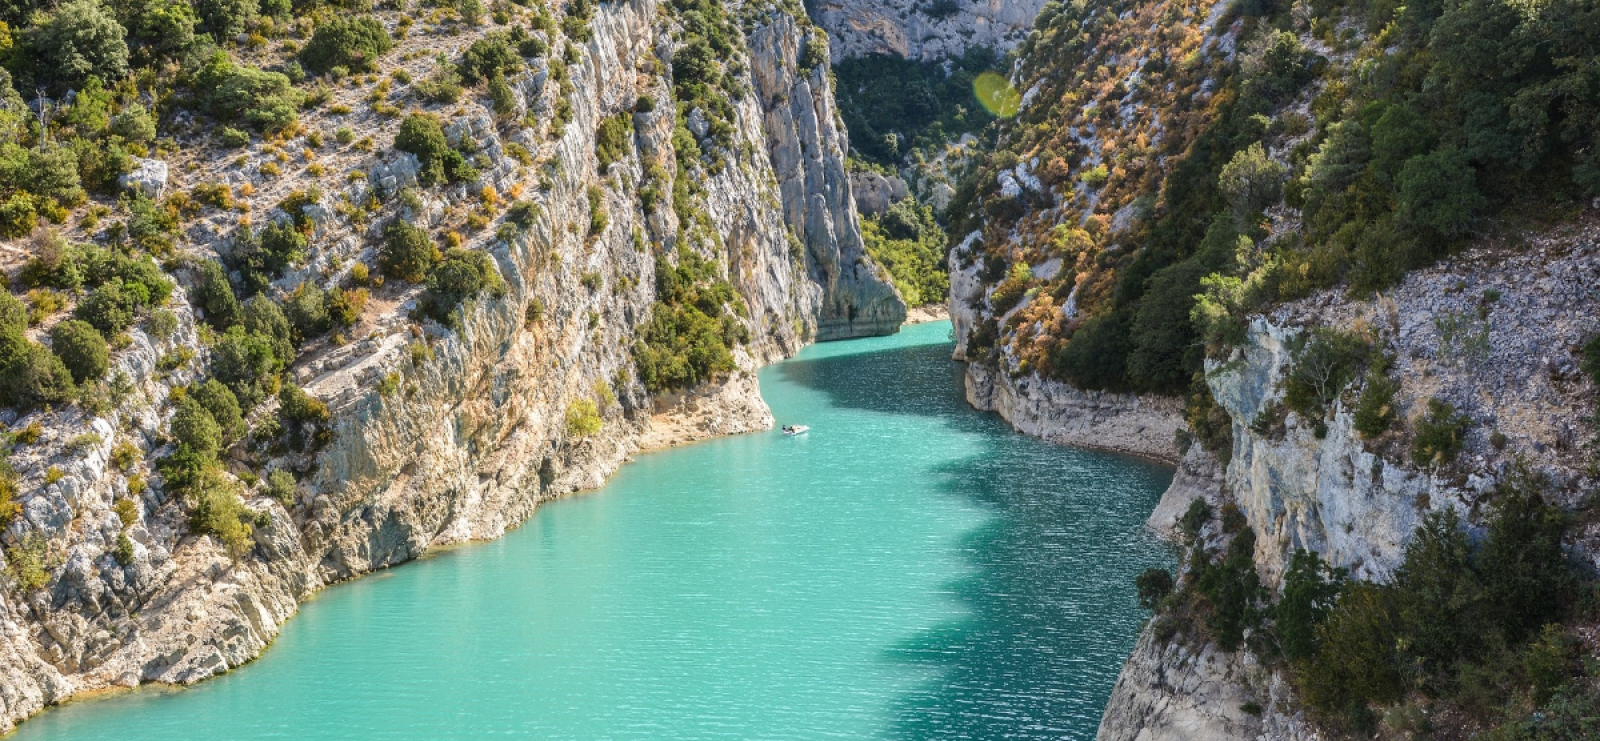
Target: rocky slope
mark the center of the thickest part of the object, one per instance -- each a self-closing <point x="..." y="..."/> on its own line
<point x="922" y="29"/>
<point x="1358" y="501"/>
<point x="441" y="436"/>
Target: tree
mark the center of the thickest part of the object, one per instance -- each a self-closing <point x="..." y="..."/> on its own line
<point x="193" y="426"/>
<point x="247" y="364"/>
<point x="407" y="252"/>
<point x="352" y="43"/>
<point x="1310" y="590"/>
<point x="1154" y="585"/>
<point x="213" y="294"/>
<point x="223" y="407"/>
<point x="462" y="275"/>
<point x="31" y="375"/>
<point x="490" y="56"/>
<point x="81" y="348"/>
<point x="13" y="314"/>
<point x="79" y="39"/>
<point x="421" y="135"/>
<point x="226" y="19"/>
<point x="1251" y="182"/>
<point x="1439" y="191"/>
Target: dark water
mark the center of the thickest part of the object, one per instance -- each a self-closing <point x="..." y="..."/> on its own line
<point x="910" y="570"/>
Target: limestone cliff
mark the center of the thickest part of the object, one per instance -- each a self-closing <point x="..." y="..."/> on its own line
<point x="924" y="30"/>
<point x="443" y="435"/>
<point x="1513" y="371"/>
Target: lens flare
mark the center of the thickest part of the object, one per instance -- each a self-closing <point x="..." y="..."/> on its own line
<point x="997" y="95"/>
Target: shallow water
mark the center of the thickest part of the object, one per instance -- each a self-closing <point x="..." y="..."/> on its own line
<point x="910" y="569"/>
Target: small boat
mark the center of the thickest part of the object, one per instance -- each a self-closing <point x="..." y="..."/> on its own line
<point x="795" y="429"/>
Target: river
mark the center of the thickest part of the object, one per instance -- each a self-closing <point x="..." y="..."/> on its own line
<point x="910" y="569"/>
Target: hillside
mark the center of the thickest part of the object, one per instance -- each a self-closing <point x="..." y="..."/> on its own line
<point x="1328" y="256"/>
<point x="305" y="290"/>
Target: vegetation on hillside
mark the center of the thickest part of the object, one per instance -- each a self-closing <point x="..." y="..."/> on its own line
<point x="1345" y="143"/>
<point x="1477" y="632"/>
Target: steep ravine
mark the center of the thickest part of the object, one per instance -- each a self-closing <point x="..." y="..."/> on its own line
<point x="473" y="435"/>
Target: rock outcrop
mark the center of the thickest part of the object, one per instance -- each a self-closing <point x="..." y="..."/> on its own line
<point x="439" y="435"/>
<point x="924" y="30"/>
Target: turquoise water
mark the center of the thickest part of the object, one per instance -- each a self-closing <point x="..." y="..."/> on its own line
<point x="911" y="569"/>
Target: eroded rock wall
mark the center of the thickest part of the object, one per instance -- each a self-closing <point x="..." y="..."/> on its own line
<point x="924" y="29"/>
<point x="441" y="436"/>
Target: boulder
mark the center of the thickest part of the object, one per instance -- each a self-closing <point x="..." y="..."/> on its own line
<point x="148" y="177"/>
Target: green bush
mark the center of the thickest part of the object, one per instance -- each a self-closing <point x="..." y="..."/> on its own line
<point x="266" y="101"/>
<point x="1376" y="411"/>
<point x="1251" y="182"/>
<point x="1439" y="435"/>
<point x="1153" y="585"/>
<point x="264" y="319"/>
<point x="408" y="253"/>
<point x="13" y="314"/>
<point x="1234" y="591"/>
<point x="1438" y="192"/>
<point x="78" y="40"/>
<point x="1311" y="588"/>
<point x="583" y="418"/>
<point x="262" y="257"/>
<point x="352" y="43"/>
<point x="681" y="347"/>
<point x="614" y="140"/>
<point x="225" y="19"/>
<point x="223" y="406"/>
<point x="213" y="294"/>
<point x="461" y="276"/>
<point x="194" y="428"/>
<point x="494" y="54"/>
<point x="422" y="136"/>
<point x="111" y="308"/>
<point x="248" y="364"/>
<point x="281" y="486"/>
<point x="307" y="312"/>
<point x="82" y="350"/>
<point x="216" y="510"/>
<point x="30" y="375"/>
<point x="1325" y="362"/>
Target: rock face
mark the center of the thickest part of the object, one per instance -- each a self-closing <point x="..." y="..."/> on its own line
<point x="808" y="147"/>
<point x="148" y="177"/>
<point x="1494" y="333"/>
<point x="876" y="193"/>
<point x="441" y="436"/>
<point x="924" y="30"/>
<point x="1056" y="412"/>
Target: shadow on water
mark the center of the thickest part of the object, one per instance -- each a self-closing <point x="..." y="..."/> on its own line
<point x="1050" y="611"/>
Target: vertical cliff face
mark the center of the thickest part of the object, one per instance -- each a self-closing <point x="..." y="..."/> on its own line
<point x="445" y="435"/>
<point x="924" y="30"/>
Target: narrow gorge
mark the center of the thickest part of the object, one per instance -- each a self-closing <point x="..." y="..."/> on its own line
<point x="302" y="291"/>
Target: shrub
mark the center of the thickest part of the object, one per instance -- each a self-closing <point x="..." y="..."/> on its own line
<point x="1234" y="591"/>
<point x="134" y="124"/>
<point x="1439" y="435"/>
<point x="407" y="253"/>
<point x="1252" y="181"/>
<point x="27" y="563"/>
<point x="226" y="19"/>
<point x="1439" y="191"/>
<point x="421" y="135"/>
<point x="263" y="257"/>
<point x="296" y="406"/>
<point x="247" y="363"/>
<point x="194" y="428"/>
<point x="583" y="418"/>
<point x="307" y="311"/>
<point x="123" y="553"/>
<point x="78" y="40"/>
<point x="501" y="97"/>
<point x="598" y="218"/>
<point x="216" y="510"/>
<point x="352" y="43"/>
<point x="1324" y="364"/>
<point x="17" y="216"/>
<point x="223" y="407"/>
<point x="490" y="56"/>
<point x="459" y="277"/>
<point x="443" y="86"/>
<point x="111" y="308"/>
<point x="13" y="314"/>
<point x="614" y="140"/>
<point x="82" y="350"/>
<point x="345" y="305"/>
<point x="1154" y="585"/>
<point x="127" y="511"/>
<point x="281" y="486"/>
<point x="1376" y="412"/>
<point x="680" y="347"/>
<point x="267" y="101"/>
<point x="213" y="295"/>
<point x="908" y="242"/>
<point x="31" y="375"/>
<point x="232" y="137"/>
<point x="1196" y="517"/>
<point x="1311" y="588"/>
